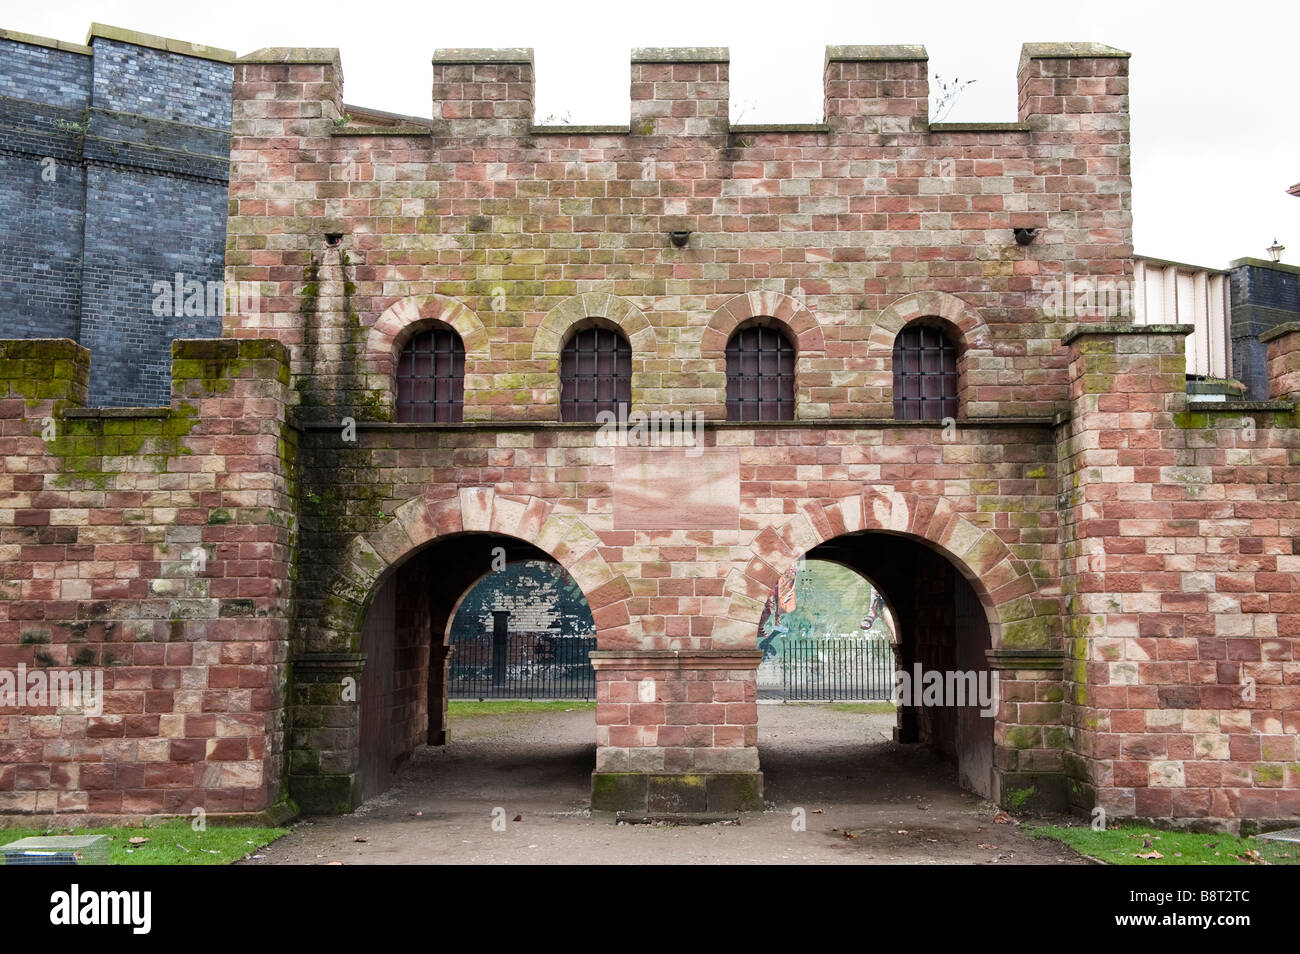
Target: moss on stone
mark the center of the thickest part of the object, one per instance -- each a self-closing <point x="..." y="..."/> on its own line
<point x="1267" y="774"/>
<point x="87" y="447"/>
<point x="1024" y="737"/>
<point x="1191" y="420"/>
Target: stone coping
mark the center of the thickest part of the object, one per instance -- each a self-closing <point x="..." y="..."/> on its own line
<point x="1264" y="263"/>
<point x="865" y="54"/>
<point x="399" y="119"/>
<point x="1069" y="51"/>
<point x="295" y="56"/>
<point x="1125" y="328"/>
<point x="380" y="131"/>
<point x="560" y="129"/>
<point x="1277" y="331"/>
<point x="460" y="56"/>
<point x="758" y="128"/>
<point x="681" y="54"/>
<point x="979" y="127"/>
<point x="32" y="40"/>
<point x="183" y="47"/>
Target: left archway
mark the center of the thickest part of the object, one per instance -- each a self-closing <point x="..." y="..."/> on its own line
<point x="404" y="686"/>
<point x="432" y="550"/>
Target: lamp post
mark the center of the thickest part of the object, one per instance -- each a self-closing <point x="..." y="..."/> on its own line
<point x="1275" y="251"/>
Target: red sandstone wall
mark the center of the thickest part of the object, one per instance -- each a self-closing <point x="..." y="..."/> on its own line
<point x="97" y="529"/>
<point x="837" y="223"/>
<point x="1153" y="549"/>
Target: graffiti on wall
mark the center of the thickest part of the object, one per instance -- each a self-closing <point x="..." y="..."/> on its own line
<point x="820" y="598"/>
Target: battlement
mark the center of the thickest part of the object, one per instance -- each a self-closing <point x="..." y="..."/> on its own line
<point x="868" y="90"/>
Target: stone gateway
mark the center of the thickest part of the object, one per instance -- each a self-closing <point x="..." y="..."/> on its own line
<point x="884" y="380"/>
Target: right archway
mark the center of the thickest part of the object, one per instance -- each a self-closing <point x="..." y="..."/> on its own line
<point x="941" y="627"/>
<point x="1009" y="624"/>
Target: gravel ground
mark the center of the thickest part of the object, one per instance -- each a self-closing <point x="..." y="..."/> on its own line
<point x="865" y="800"/>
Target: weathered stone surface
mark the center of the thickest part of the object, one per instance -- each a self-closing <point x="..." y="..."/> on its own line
<point x="1125" y="565"/>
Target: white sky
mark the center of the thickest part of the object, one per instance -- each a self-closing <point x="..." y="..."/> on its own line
<point x="1213" y="84"/>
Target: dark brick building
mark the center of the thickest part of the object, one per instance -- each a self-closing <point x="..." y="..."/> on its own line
<point x="114" y="163"/>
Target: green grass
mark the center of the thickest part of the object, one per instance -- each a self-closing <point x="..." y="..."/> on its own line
<point x="1120" y="846"/>
<point x="172" y="842"/>
<point x="865" y="708"/>
<point x="460" y="707"/>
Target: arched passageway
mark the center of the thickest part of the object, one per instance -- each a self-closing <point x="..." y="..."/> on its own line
<point x="406" y="640"/>
<point x="941" y="634"/>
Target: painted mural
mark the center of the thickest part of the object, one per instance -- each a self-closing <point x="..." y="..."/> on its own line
<point x="820" y="598"/>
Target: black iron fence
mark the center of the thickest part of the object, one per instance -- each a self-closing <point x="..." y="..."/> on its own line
<point x="522" y="666"/>
<point x="828" y="668"/>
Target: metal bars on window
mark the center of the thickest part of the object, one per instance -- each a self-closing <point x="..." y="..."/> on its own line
<point x="760" y="375"/>
<point x="595" y="374"/>
<point x="431" y="378"/>
<point x="925" y="375"/>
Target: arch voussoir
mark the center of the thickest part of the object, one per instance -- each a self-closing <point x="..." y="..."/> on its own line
<point x="623" y="314"/>
<point x="782" y="309"/>
<point x="423" y="519"/>
<point x="406" y="316"/>
<point x="978" y="553"/>
<point x="897" y="314"/>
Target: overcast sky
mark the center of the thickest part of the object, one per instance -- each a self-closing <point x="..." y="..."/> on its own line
<point x="1213" y="84"/>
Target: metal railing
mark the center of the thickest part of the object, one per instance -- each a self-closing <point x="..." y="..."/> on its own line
<point x="828" y="668"/>
<point x="522" y="666"/>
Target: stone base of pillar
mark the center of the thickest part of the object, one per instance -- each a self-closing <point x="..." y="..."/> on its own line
<point x="634" y="793"/>
<point x="323" y="736"/>
<point x="676" y="732"/>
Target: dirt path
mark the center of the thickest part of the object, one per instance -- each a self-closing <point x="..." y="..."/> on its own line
<point x="899" y="804"/>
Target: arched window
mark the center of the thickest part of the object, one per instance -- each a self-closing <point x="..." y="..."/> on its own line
<point x="595" y="374"/>
<point x="925" y="374"/>
<point x="760" y="375"/>
<point x="431" y="378"/>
